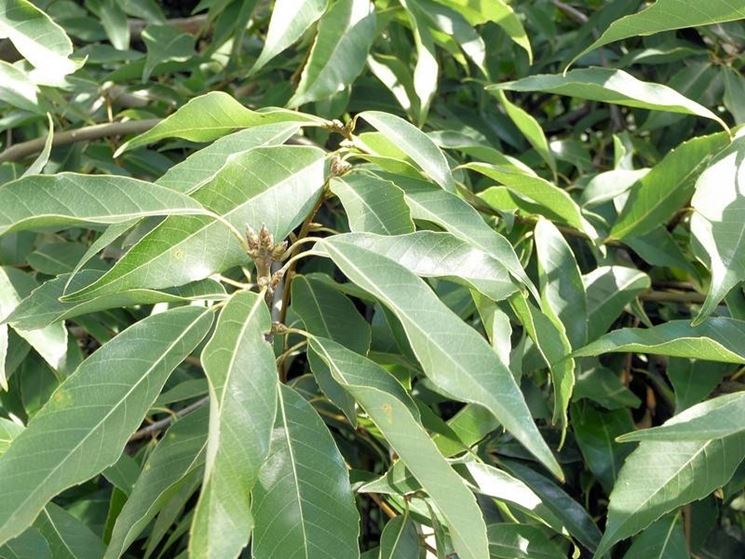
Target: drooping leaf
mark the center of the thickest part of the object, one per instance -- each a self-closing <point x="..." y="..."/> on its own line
<point x="717" y="224"/>
<point x="211" y="116"/>
<point x="290" y="19"/>
<point x="530" y="128"/>
<point x="666" y="15"/>
<point x="658" y="477"/>
<point x="242" y="376"/>
<point x="69" y="199"/>
<point x="452" y="354"/>
<point x="85" y="425"/>
<point x="611" y="86"/>
<point x="303" y="504"/>
<point x="427" y="68"/>
<point x="345" y="33"/>
<point x="373" y="205"/>
<point x="114" y="22"/>
<point x="415" y="143"/>
<point x="715" y="339"/>
<point x="285" y="182"/>
<point x="400" y="539"/>
<point x="660" y="193"/>
<point x="392" y="416"/>
<point x="179" y="452"/>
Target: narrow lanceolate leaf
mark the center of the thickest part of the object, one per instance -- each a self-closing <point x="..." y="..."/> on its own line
<point x="180" y="452"/>
<point x="69" y="199"/>
<point x="521" y="541"/>
<point x="715" y="339"/>
<point x="210" y="117"/>
<point x="86" y="423"/>
<point x="290" y="19"/>
<point x="373" y="205"/>
<point x="455" y="502"/>
<point x="555" y="200"/>
<point x="655" y="198"/>
<point x="717" y="223"/>
<point x="415" y="143"/>
<point x="242" y="376"/>
<point x="17" y="89"/>
<point x="665" y="539"/>
<point x="712" y="419"/>
<point x="41" y="41"/>
<point x="666" y="15"/>
<point x="400" y="539"/>
<point x="303" y="504"/>
<point x="452" y="354"/>
<point x="273" y="186"/>
<point x="165" y="44"/>
<point x="609" y="289"/>
<point x="563" y="296"/>
<point x="67" y="536"/>
<point x="427" y="69"/>
<point x="611" y="86"/>
<point x="345" y="34"/>
<point x="439" y="254"/>
<point x="530" y="128"/>
<point x="659" y="477"/>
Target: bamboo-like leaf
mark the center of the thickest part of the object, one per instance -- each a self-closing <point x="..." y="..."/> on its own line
<point x="717" y="223"/>
<point x="658" y="477"/>
<point x="452" y="354"/>
<point x="415" y="143"/>
<point x="211" y="116"/>
<point x="303" y="504"/>
<point x="242" y="376"/>
<point x="715" y="339"/>
<point x="457" y="505"/>
<point x="345" y="33"/>
<point x="86" y="423"/>
<point x="611" y="86"/>
<point x="69" y="199"/>
<point x="180" y="452"/>
<point x="273" y="186"/>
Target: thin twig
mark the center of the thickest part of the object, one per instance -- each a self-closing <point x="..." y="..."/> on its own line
<point x="32" y="147"/>
<point x="158" y="426"/>
<point x="571" y="11"/>
<point x="673" y="297"/>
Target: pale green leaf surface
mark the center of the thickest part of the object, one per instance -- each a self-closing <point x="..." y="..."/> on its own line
<point x="609" y="289"/>
<point x="114" y="22"/>
<point x="17" y="89"/>
<point x="519" y="541"/>
<point x="427" y="68"/>
<point x="37" y="167"/>
<point x="68" y="537"/>
<point x="240" y="368"/>
<point x="85" y="425"/>
<point x="165" y="44"/>
<point x="530" y="128"/>
<point x="29" y="545"/>
<point x="9" y="430"/>
<point x="303" y="504"/>
<point x="452" y="354"/>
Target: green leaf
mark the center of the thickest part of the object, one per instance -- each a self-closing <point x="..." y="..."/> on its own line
<point x="609" y="289"/>
<point x="520" y="541"/>
<point x="665" y="539"/>
<point x="41" y="41"/>
<point x="547" y="195"/>
<point x="9" y="430"/>
<point x="530" y="128"/>
<point x="563" y="297"/>
<point x="37" y="167"/>
<point x="69" y="199"/>
<point x="209" y="117"/>
<point x="242" y="375"/>
<point x="114" y="22"/>
<point x="415" y="143"/>
<point x="734" y="93"/>
<point x="303" y="504"/>
<point x="611" y="86"/>
<point x="180" y="452"/>
<point x="56" y="258"/>
<point x="659" y="477"/>
<point x="715" y="339"/>
<point x="400" y="539"/>
<point x="29" y="545"/>
<point x="427" y="68"/>
<point x="85" y="425"/>
<point x="67" y="536"/>
<point x="667" y="187"/>
<point x="433" y="254"/>
<point x="667" y="15"/>
<point x="43" y="306"/>
<point x="717" y="224"/>
<point x="712" y="419"/>
<point x="345" y="34"/>
<point x="285" y="182"/>
<point x="17" y="89"/>
<point x="290" y="20"/>
<point x="452" y="354"/>
<point x="694" y="379"/>
<point x="165" y="44"/>
<point x="457" y="505"/>
<point x="373" y="205"/>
